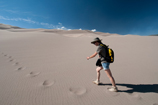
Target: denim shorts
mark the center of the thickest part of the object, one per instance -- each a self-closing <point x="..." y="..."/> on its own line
<point x="105" y="65"/>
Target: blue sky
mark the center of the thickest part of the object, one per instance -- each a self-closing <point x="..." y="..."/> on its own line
<point x="113" y="16"/>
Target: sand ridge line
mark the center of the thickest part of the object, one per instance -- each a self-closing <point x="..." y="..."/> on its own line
<point x="24" y="30"/>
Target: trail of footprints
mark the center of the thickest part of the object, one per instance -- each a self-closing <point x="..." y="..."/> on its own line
<point x="14" y="62"/>
<point x="73" y="90"/>
<point x="46" y="83"/>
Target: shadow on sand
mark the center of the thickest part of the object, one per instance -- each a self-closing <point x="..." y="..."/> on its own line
<point x="142" y="88"/>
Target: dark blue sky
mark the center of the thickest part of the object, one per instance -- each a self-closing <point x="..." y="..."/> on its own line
<point x="114" y="16"/>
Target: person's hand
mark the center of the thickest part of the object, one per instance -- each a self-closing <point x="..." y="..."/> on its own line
<point x="88" y="58"/>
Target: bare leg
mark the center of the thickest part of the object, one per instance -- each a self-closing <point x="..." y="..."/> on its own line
<point x="98" y="72"/>
<point x="109" y="74"/>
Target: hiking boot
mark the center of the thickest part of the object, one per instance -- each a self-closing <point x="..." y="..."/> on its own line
<point x="113" y="89"/>
<point x="96" y="82"/>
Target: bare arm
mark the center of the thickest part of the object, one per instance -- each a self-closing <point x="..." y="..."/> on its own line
<point x="92" y="56"/>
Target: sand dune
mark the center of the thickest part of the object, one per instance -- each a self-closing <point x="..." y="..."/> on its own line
<point x="49" y="67"/>
<point x="24" y="30"/>
<point x="4" y="26"/>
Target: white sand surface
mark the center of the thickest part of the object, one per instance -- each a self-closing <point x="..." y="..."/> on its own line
<point x="50" y="68"/>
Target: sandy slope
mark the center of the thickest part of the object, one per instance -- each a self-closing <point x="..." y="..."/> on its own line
<point x="4" y="26"/>
<point x="50" y="68"/>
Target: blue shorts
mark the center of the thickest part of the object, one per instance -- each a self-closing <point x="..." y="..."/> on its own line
<point x="105" y="65"/>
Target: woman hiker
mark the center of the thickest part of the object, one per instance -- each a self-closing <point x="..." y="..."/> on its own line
<point x="104" y="64"/>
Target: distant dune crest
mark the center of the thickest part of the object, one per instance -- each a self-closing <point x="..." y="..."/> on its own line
<point x="4" y="26"/>
<point x="69" y="33"/>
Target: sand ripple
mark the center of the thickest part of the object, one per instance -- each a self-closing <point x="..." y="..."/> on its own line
<point x="78" y="90"/>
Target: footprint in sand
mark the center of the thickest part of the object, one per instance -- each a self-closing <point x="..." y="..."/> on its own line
<point x="47" y="83"/>
<point x="10" y="57"/>
<point x="78" y="90"/>
<point x="11" y="60"/>
<point x="17" y="63"/>
<point x="155" y="104"/>
<point x="134" y="97"/>
<point x="5" y="55"/>
<point x="20" y="68"/>
<point x="34" y="74"/>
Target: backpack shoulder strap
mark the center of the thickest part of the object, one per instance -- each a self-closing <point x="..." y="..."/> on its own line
<point x="104" y="45"/>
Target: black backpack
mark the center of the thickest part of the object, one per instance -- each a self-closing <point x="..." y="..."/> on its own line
<point x="109" y="54"/>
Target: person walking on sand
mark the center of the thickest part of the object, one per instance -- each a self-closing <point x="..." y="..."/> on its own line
<point x="104" y="64"/>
